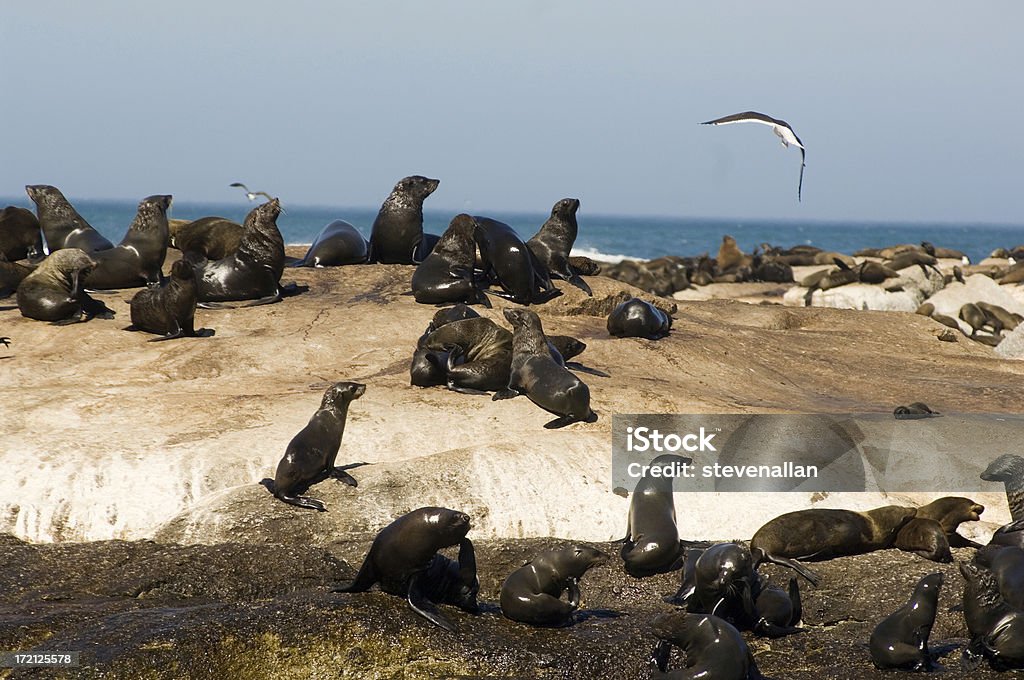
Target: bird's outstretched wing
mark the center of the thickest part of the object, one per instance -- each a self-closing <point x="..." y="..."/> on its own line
<point x="745" y="117"/>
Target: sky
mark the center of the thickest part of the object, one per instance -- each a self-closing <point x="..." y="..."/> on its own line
<point x="906" y="108"/>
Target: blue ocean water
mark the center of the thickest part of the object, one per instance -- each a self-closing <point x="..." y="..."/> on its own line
<point x="602" y="236"/>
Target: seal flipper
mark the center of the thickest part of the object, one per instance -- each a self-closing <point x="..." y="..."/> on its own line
<point x="469" y="584"/>
<point x="794" y="598"/>
<point x="424" y="607"/>
<point x="363" y="581"/>
<point x="302" y="502"/>
<point x="761" y="556"/>
<point x="507" y="393"/>
<point x="342" y="476"/>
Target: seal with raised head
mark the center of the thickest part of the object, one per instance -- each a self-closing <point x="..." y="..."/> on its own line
<point x="635" y="318"/>
<point x="405" y="561"/>
<point x="723" y="578"/>
<point x="730" y="257"/>
<point x="310" y="456"/>
<point x="532" y="594"/>
<point x="996" y="628"/>
<point x="712" y="646"/>
<point x="20" y="235"/>
<point x="138" y="259"/>
<point x="446" y="274"/>
<point x="900" y="640"/>
<point x="398" y="229"/>
<point x="170" y="310"/>
<point x="1009" y="469"/>
<point x="339" y="243"/>
<point x="479" y="354"/>
<point x="507" y="261"/>
<point x="824" y="533"/>
<point x="212" y="237"/>
<point x="537" y="375"/>
<point x="652" y="544"/>
<point x="54" y="292"/>
<point x="62" y="226"/>
<point x="552" y="244"/>
<point x="253" y="272"/>
<point x="950" y="512"/>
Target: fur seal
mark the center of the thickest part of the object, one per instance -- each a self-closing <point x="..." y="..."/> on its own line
<point x="730" y="257"/>
<point x="404" y="560"/>
<point x="537" y="375"/>
<point x="722" y="578"/>
<point x="11" y="276"/>
<point x="20" y="235"/>
<point x="652" y="544"/>
<point x="446" y="274"/>
<point x="53" y="291"/>
<point x="997" y="630"/>
<point x="170" y="310"/>
<point x="900" y="640"/>
<point x="532" y="594"/>
<point x="914" y="411"/>
<point x="1011" y="534"/>
<point x="1009" y="469"/>
<point x="309" y="458"/>
<point x="712" y="646"/>
<point x="252" y="272"/>
<point x="138" y="259"/>
<point x="485" y="351"/>
<point x="429" y="367"/>
<point x="950" y="512"/>
<point x="823" y="533"/>
<point x="777" y="611"/>
<point x="62" y="226"/>
<point x="975" y="318"/>
<point x="635" y="318"/>
<point x="339" y="243"/>
<point x="212" y="237"/>
<point x="507" y="261"/>
<point x="926" y="538"/>
<point x="398" y="229"/>
<point x="1009" y="320"/>
<point x="552" y="244"/>
<point x="1007" y="566"/>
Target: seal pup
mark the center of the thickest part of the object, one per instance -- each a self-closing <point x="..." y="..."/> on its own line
<point x="309" y="458"/>
<point x="778" y="611"/>
<point x="54" y="292"/>
<point x="429" y="367"/>
<point x="914" y="411"/>
<point x="635" y="318"/>
<point x="1009" y="469"/>
<point x="404" y="560"/>
<point x="253" y="272"/>
<point x="479" y="354"/>
<point x="722" y="578"/>
<point x="950" y="512"/>
<point x="996" y="629"/>
<point x="62" y="226"/>
<point x="339" y="243"/>
<point x="507" y="261"/>
<point x="824" y="533"/>
<point x="713" y="648"/>
<point x="537" y="375"/>
<point x="652" y="544"/>
<point x="212" y="237"/>
<point x="398" y="229"/>
<point x="138" y="259"/>
<point x="532" y="594"/>
<point x="924" y="537"/>
<point x="1007" y="566"/>
<point x="20" y="235"/>
<point x="900" y="640"/>
<point x="170" y="310"/>
<point x="446" y="274"/>
<point x="552" y="244"/>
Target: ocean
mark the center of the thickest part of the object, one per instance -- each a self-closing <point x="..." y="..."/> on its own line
<point x="603" y="237"/>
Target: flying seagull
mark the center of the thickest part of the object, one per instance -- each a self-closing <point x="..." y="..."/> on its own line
<point x="780" y="127"/>
<point x="251" y="195"/>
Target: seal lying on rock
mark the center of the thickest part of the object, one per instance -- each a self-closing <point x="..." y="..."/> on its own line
<point x="53" y="291"/>
<point x="914" y="411"/>
<point x="485" y="351"/>
<point x="404" y="560"/>
<point x="212" y="237"/>
<point x="309" y="458"/>
<point x="635" y="318"/>
<point x="339" y="243"/>
<point x="532" y="594"/>
<point x="900" y="640"/>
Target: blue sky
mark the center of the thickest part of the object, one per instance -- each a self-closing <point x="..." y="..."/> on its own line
<point x="907" y="109"/>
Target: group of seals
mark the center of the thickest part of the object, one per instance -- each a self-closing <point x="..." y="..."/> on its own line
<point x="310" y="456"/>
<point x="404" y="561"/>
<point x="54" y="290"/>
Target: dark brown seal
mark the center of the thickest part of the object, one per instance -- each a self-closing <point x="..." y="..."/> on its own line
<point x="212" y="237"/>
<point x="636" y="318"/>
<point x="508" y="262"/>
<point x="996" y="629"/>
<point x="20" y="235"/>
<point x="446" y="275"/>
<point x="823" y="533"/>
<point x="950" y="512"/>
<point x="712" y="646"/>
<point x="552" y="244"/>
<point x="479" y="354"/>
<point x="404" y="560"/>
<point x="924" y="537"/>
<point x="62" y="226"/>
<point x="138" y="259"/>
<point x="338" y="243"/>
<point x="54" y="292"/>
<point x="537" y="375"/>
<point x="310" y="456"/>
<point x="398" y="229"/>
<point x="170" y="310"/>
<point x="900" y="640"/>
<point x="11" y="276"/>
<point x="532" y="594"/>
<point x="652" y="544"/>
<point x="1007" y="566"/>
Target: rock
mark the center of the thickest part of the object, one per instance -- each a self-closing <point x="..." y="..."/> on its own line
<point x="903" y="294"/>
<point x="1012" y="346"/>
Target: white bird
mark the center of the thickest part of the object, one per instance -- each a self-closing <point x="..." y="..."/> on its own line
<point x="251" y="195"/>
<point x="780" y="127"/>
